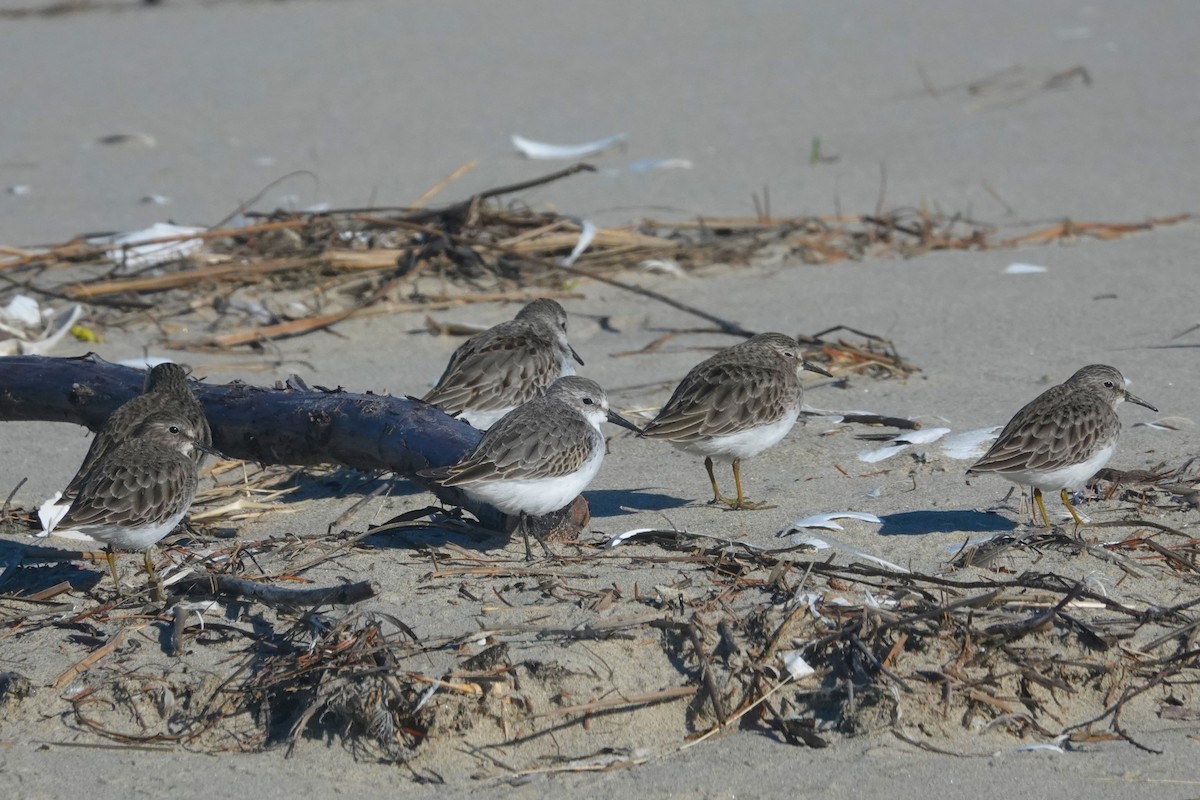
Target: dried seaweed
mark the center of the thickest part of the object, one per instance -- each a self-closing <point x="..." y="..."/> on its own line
<point x="727" y="635"/>
<point x="294" y="273"/>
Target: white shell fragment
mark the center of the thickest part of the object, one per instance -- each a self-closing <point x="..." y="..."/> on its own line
<point x="50" y="513"/>
<point x="970" y="445"/>
<point x="621" y="538"/>
<point x="881" y="453"/>
<point x="811" y="600"/>
<point x="922" y="436"/>
<point x="23" y="332"/>
<point x="826" y="522"/>
<point x="140" y="249"/>
<point x="874" y="602"/>
<point x="797" y="533"/>
<point x="587" y="233"/>
<point x="1166" y="424"/>
<point x="901" y="443"/>
<point x="795" y="665"/>
<point x="545" y="151"/>
<point x="1023" y="269"/>
<point x="22" y="309"/>
<point x="665" y="266"/>
<point x="827" y="542"/>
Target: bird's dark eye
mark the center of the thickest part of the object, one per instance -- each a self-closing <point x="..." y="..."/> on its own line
<point x="587" y="401"/>
<point x="174" y="429"/>
<point x="789" y="354"/>
<point x="1108" y="384"/>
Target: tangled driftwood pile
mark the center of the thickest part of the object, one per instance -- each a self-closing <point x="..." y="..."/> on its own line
<point x="722" y="635"/>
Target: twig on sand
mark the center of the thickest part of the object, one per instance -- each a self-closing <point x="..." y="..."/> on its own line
<point x="87" y="662"/>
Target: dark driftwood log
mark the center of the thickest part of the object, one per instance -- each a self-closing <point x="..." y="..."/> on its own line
<point x="269" y="426"/>
<point x="205" y="585"/>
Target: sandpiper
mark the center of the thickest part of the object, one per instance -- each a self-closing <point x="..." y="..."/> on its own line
<point x="503" y="367"/>
<point x="166" y="392"/>
<point x="539" y="457"/>
<point x="140" y="490"/>
<point x="735" y="405"/>
<point x="1063" y="436"/>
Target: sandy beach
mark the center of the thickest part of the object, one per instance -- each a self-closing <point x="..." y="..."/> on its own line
<point x="1017" y="115"/>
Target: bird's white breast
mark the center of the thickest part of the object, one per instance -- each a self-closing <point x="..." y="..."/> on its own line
<point x="1070" y="477"/>
<point x="537" y="496"/>
<point x="132" y="538"/>
<point x="743" y="444"/>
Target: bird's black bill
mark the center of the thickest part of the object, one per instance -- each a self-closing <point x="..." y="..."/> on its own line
<point x="819" y="370"/>
<point x="617" y="419"/>
<point x="206" y="449"/>
<point x="575" y="355"/>
<point x="1132" y="398"/>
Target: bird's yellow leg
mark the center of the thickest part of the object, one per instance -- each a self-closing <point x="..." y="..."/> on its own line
<point x="712" y="478"/>
<point x="1037" y="497"/>
<point x="159" y="594"/>
<point x="112" y="567"/>
<point x="741" y="502"/>
<point x="1067" y="502"/>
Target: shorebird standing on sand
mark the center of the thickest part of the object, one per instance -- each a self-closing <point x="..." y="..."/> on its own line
<point x="1063" y="436"/>
<point x="141" y="489"/>
<point x="538" y="458"/>
<point x="735" y="405"/>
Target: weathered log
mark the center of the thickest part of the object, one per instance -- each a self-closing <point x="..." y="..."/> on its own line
<point x="266" y="425"/>
<point x="226" y="587"/>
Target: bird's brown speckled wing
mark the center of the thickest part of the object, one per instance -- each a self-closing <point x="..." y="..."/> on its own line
<point x="133" y="487"/>
<point x="1059" y="428"/>
<point x="115" y="430"/>
<point x="496" y="369"/>
<point x="169" y="397"/>
<point x="723" y="396"/>
<point x="542" y="439"/>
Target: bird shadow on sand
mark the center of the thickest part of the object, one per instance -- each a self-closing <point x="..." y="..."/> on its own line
<point x="618" y="502"/>
<point x="914" y="523"/>
<point x="434" y="527"/>
<point x="472" y="536"/>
